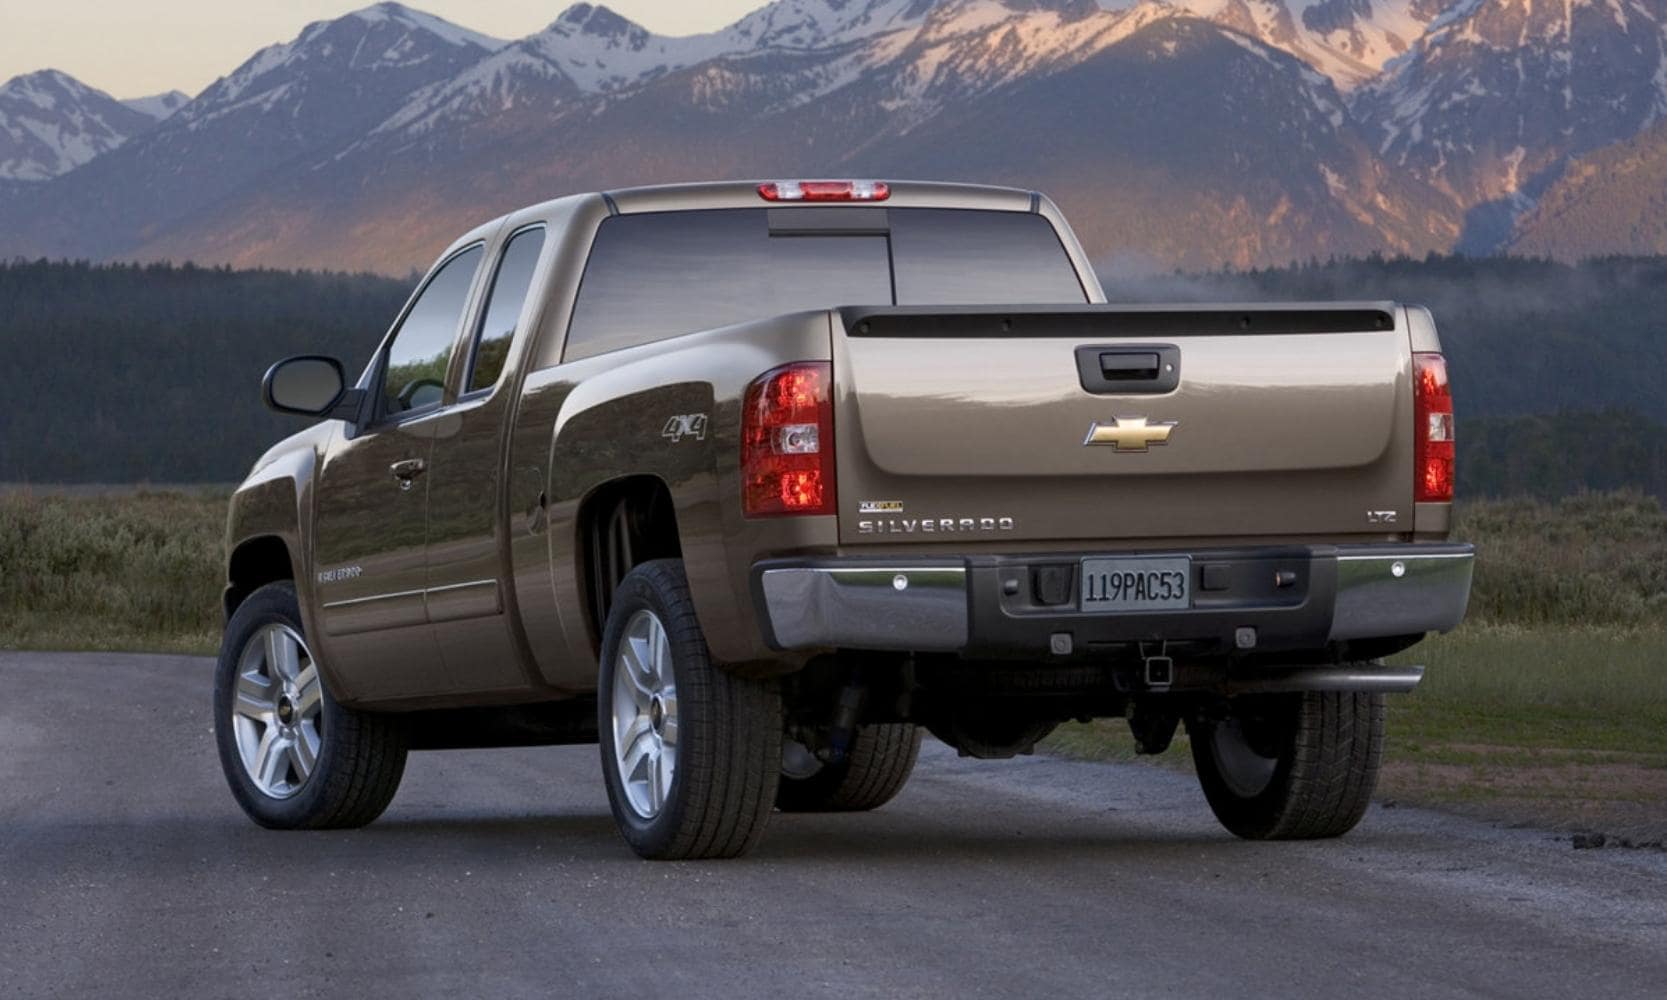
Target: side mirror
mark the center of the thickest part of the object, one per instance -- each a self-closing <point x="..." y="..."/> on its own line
<point x="311" y="385"/>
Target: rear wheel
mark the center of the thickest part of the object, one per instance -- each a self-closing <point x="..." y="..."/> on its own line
<point x="1292" y="766"/>
<point x="293" y="757"/>
<point x="691" y="754"/>
<point x="874" y="769"/>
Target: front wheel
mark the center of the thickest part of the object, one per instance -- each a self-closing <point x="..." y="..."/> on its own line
<point x="1291" y="766"/>
<point x="691" y="754"/>
<point x="293" y="757"/>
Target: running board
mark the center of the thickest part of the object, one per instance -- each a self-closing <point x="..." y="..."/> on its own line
<point x="1364" y="679"/>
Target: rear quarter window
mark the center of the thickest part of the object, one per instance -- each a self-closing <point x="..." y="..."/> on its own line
<point x="504" y="301"/>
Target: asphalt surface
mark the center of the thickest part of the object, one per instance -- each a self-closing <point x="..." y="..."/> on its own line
<point x="126" y="869"/>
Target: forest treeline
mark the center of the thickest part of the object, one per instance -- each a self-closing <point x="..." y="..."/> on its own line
<point x="150" y="373"/>
<point x="1522" y="336"/>
<point x="129" y="373"/>
<point x="1557" y="454"/>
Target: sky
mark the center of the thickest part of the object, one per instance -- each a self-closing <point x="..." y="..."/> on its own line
<point x="134" y="48"/>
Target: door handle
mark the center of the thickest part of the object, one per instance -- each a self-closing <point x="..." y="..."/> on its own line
<point x="1129" y="369"/>
<point x="407" y="471"/>
<point x="1133" y="366"/>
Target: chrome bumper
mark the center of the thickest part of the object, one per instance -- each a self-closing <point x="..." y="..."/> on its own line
<point x="925" y="606"/>
<point x="1387" y="590"/>
<point x="902" y="607"/>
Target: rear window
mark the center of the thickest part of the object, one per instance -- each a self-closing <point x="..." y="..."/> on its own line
<point x="657" y="275"/>
<point x="952" y="257"/>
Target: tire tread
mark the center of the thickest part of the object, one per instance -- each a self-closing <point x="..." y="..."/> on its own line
<point x="1325" y="780"/>
<point x="876" y="767"/>
<point x="729" y="755"/>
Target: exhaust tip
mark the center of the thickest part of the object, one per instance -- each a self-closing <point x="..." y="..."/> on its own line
<point x="1362" y="679"/>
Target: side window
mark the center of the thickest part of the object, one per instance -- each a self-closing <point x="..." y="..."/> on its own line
<point x="421" y="348"/>
<point x="503" y="307"/>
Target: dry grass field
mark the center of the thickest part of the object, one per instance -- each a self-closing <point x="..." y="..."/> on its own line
<point x="111" y="570"/>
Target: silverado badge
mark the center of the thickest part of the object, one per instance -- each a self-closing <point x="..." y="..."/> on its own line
<point x="1130" y="433"/>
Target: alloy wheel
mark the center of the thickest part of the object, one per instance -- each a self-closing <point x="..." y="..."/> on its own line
<point x="278" y="711"/>
<point x="645" y="714"/>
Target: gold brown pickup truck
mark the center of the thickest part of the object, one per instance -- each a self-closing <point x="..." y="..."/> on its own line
<point x="751" y="484"/>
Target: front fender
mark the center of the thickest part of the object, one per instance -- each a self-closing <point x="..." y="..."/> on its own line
<point x="276" y="501"/>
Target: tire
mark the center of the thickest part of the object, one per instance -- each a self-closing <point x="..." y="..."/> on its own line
<point x="1291" y="767"/>
<point x="294" y="759"/>
<point x="875" y="768"/>
<point x="702" y="753"/>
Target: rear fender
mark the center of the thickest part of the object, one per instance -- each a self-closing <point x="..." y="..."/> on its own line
<point x="672" y="411"/>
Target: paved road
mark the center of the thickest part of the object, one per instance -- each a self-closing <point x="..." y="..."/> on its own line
<point x="125" y="869"/>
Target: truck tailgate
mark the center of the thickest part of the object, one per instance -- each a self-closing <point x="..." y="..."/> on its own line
<point x="1122" y="425"/>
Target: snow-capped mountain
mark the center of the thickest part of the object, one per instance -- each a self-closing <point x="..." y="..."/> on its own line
<point x="787" y="53"/>
<point x="591" y="50"/>
<point x="159" y="106"/>
<point x="50" y="123"/>
<point x="1248" y="142"/>
<point x="1491" y="104"/>
<point x="967" y="48"/>
<point x="354" y="68"/>
<point x="1195" y="132"/>
<point x="1215" y="150"/>
<point x="271" y="115"/>
<point x="600" y="51"/>
<point x="1349" y="41"/>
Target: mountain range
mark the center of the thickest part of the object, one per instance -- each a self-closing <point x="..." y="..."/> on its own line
<point x="1174" y="133"/>
<point x="51" y="123"/>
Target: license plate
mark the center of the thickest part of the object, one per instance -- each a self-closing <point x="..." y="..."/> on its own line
<point x="1160" y="584"/>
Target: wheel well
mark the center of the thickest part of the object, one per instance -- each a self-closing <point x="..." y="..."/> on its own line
<point x="622" y="525"/>
<point x="254" y="564"/>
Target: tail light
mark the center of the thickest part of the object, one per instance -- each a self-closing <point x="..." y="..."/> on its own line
<point x="825" y="191"/>
<point x="1432" y="407"/>
<point x="787" y="459"/>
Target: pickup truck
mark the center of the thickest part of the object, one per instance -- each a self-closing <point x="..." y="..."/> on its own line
<point x="753" y="484"/>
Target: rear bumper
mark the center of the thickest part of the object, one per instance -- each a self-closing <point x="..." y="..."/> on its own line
<point x="1284" y="598"/>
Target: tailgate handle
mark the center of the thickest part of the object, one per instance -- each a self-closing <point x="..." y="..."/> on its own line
<point x="1117" y="369"/>
<point x="1128" y="366"/>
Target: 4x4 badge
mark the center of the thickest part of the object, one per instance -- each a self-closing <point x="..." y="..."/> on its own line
<point x="1130" y="433"/>
<point x="685" y="425"/>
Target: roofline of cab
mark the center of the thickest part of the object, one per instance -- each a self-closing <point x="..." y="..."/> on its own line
<point x="744" y="194"/>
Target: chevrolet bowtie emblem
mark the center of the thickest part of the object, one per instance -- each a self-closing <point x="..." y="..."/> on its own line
<point x="1130" y="433"/>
